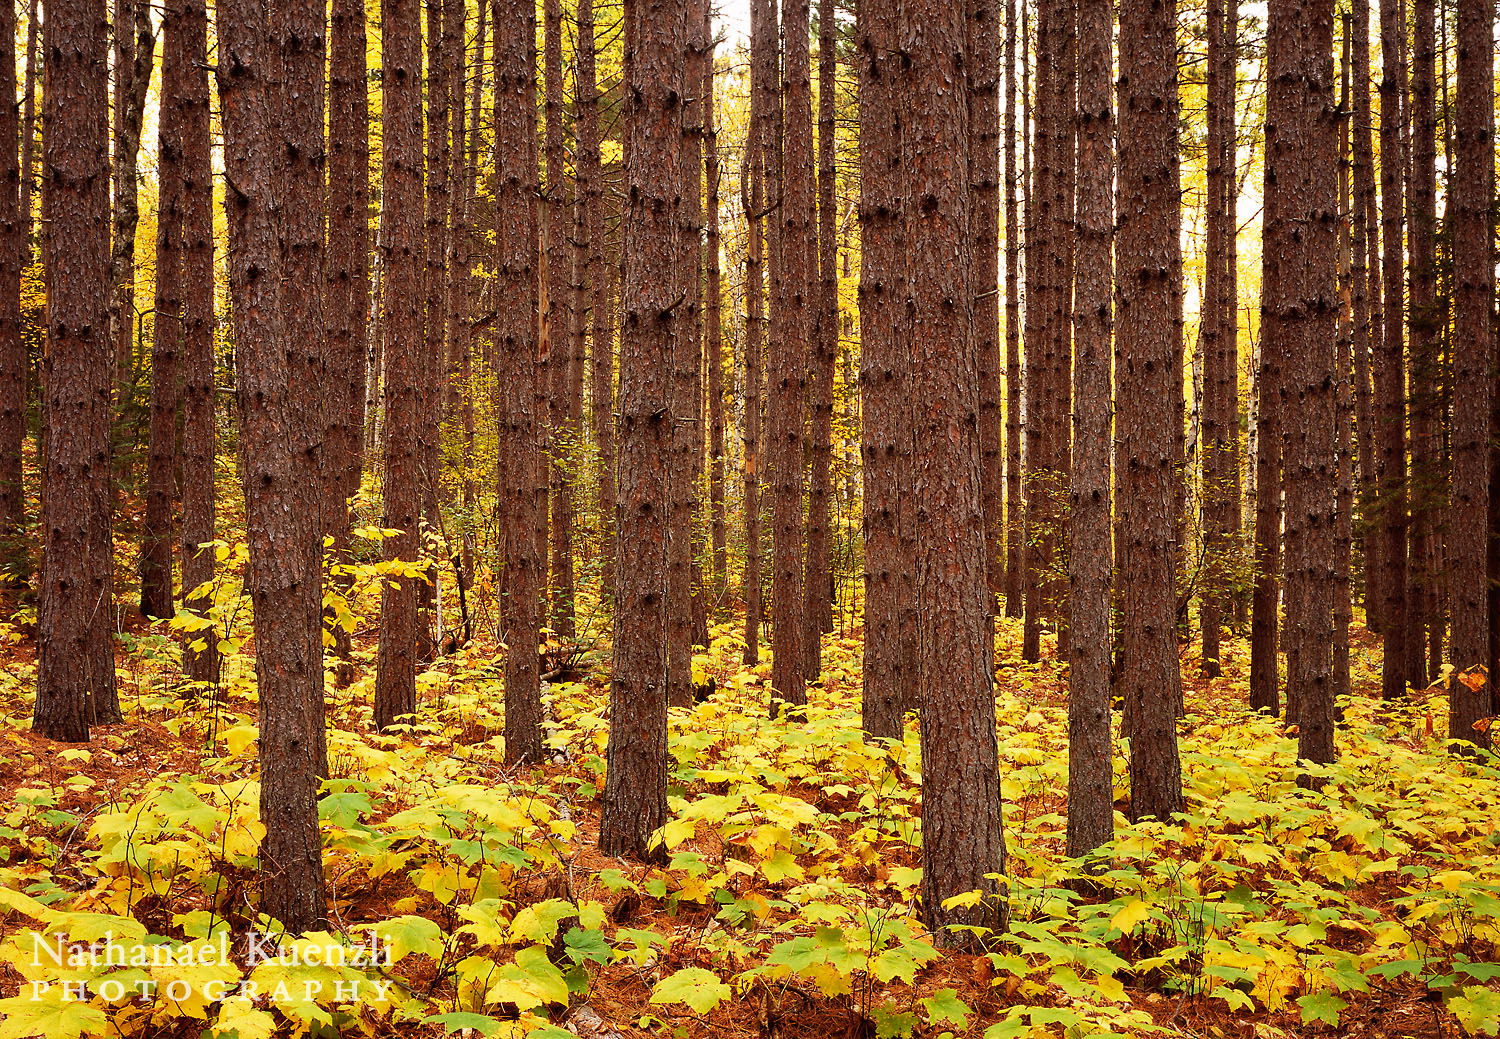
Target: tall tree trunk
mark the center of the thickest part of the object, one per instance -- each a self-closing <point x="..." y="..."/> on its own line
<point x="963" y="835"/>
<point x="198" y="396"/>
<point x="348" y="289"/>
<point x="75" y="653"/>
<point x="884" y="450"/>
<point x="1426" y="480"/>
<point x="763" y="94"/>
<point x="401" y="248"/>
<point x="134" y="51"/>
<point x="1365" y="298"/>
<point x="602" y="378"/>
<point x="12" y="344"/>
<point x="818" y="595"/>
<point x="28" y="128"/>
<point x="714" y="335"/>
<point x="686" y="362"/>
<point x="166" y="335"/>
<point x="1090" y="776"/>
<point x="1265" y="682"/>
<point x="1470" y="691"/>
<point x="557" y="320"/>
<point x="1013" y="289"/>
<point x="1218" y="379"/>
<point x="523" y="565"/>
<point x="1390" y="374"/>
<point x="982" y="70"/>
<point x="794" y="299"/>
<point x="1304" y="308"/>
<point x="635" y="787"/>
<point x="1150" y="680"/>
<point x="270" y="94"/>
<point x="1343" y="511"/>
<point x="1230" y="333"/>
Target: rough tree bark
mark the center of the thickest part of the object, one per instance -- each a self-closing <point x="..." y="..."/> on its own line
<point x="12" y="344"/>
<point x="1144" y="351"/>
<point x="1365" y="298"/>
<point x="1013" y="291"/>
<point x="557" y="319"/>
<point x="75" y="653"/>
<point x="963" y="839"/>
<point x="714" y="334"/>
<point x="794" y="299"/>
<point x="200" y="665"/>
<point x="401" y="248"/>
<point x="1473" y="265"/>
<point x="635" y="787"/>
<point x="758" y="201"/>
<point x="885" y="452"/>
<point x="1090" y="777"/>
<point x="261" y="79"/>
<point x="522" y="561"/>
<point x="1218" y="379"/>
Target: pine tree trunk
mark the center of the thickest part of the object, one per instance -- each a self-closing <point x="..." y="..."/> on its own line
<point x="134" y="51"/>
<point x="1214" y="314"/>
<point x="401" y="247"/>
<point x="1471" y="689"/>
<point x="757" y="328"/>
<point x="75" y="653"/>
<point x="818" y="593"/>
<point x="166" y="333"/>
<point x="601" y="379"/>
<point x="262" y="77"/>
<point x="884" y="449"/>
<point x="635" y="787"/>
<point x="1343" y="512"/>
<point x="963" y="839"/>
<point x="1390" y="374"/>
<point x="1365" y="297"/>
<point x="794" y="298"/>
<point x="557" y="320"/>
<point x="1144" y="351"/>
<point x="197" y="367"/>
<point x="523" y="565"/>
<point x="13" y="549"/>
<point x="1425" y="489"/>
<point x="348" y="287"/>
<point x="714" y="338"/>
<point x="1090" y="777"/>
<point x="1013" y="290"/>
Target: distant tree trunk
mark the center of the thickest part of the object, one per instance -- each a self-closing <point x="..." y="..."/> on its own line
<point x="401" y="246"/>
<point x="134" y="51"/>
<point x="198" y="393"/>
<point x="1230" y="334"/>
<point x="963" y="843"/>
<point x="1426" y="488"/>
<point x="1304" y="307"/>
<point x="1090" y="777"/>
<point x="1041" y="277"/>
<point x="714" y="336"/>
<point x="28" y="128"/>
<point x="13" y="550"/>
<point x="1343" y="511"/>
<point x="432" y="370"/>
<point x="1470" y="690"/>
<point x="823" y="323"/>
<point x="463" y="388"/>
<point x="635" y="788"/>
<point x="884" y="449"/>
<point x="1265" y="682"/>
<point x="166" y="339"/>
<point x="1013" y="289"/>
<point x="982" y="70"/>
<point x="75" y="653"/>
<point x="1365" y="297"/>
<point x="267" y="90"/>
<point x="795" y="299"/>
<point x="686" y="384"/>
<point x="759" y="199"/>
<point x="1390" y="374"/>
<point x="1216" y="312"/>
<point x="523" y="566"/>
<point x="602" y="378"/>
<point x="1150" y="680"/>
<point x="348" y="288"/>
<point x="558" y="320"/>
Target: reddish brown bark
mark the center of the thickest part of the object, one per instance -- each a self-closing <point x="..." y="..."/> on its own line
<point x="75" y="658"/>
<point x="1014" y="531"/>
<point x="635" y="786"/>
<point x="12" y="344"/>
<point x="714" y="338"/>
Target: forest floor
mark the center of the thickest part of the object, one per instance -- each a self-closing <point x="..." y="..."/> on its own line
<point x="784" y="905"/>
